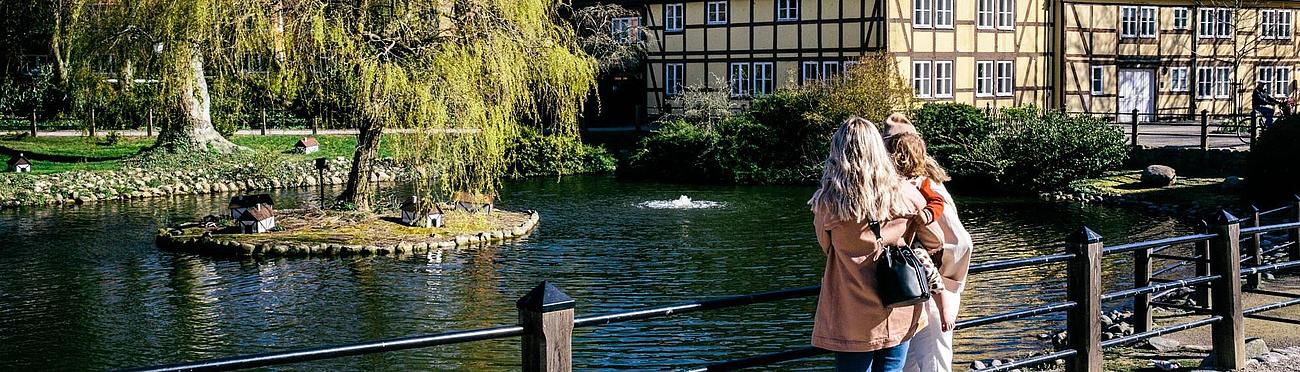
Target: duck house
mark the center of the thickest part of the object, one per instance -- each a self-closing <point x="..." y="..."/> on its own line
<point x="20" y="164"/>
<point x="413" y="214"/>
<point x="474" y="202"/>
<point x="240" y="205"/>
<point x="257" y="220"/>
<point x="307" y="145"/>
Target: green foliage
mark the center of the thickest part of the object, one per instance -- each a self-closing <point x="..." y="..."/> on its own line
<point x="949" y="130"/>
<point x="613" y="52"/>
<point x="678" y="151"/>
<point x="1272" y="171"/>
<point x="703" y="106"/>
<point x="536" y="154"/>
<point x="34" y="91"/>
<point x="873" y="88"/>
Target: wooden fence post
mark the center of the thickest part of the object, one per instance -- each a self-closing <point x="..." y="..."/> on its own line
<point x="1135" y="127"/>
<point x="33" y="123"/>
<point x="150" y="124"/>
<point x="1225" y="260"/>
<point x="1202" y="293"/>
<point x="1205" y="130"/>
<point x="1254" y="127"/>
<point x="263" y="120"/>
<point x="546" y="314"/>
<point x="1256" y="251"/>
<point x="1142" y="302"/>
<point x="1083" y="322"/>
<point x="92" y="122"/>
<point x="1294" y="251"/>
<point x="314" y="124"/>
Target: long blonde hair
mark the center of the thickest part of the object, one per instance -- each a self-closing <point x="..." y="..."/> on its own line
<point x="912" y="160"/>
<point x="859" y="181"/>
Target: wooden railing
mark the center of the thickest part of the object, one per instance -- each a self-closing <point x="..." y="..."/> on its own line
<point x="1195" y="129"/>
<point x="547" y="319"/>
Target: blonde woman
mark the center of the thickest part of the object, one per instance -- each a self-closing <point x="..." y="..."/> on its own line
<point x="859" y="185"/>
<point x="931" y="349"/>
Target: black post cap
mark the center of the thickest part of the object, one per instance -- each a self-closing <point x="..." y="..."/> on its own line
<point x="1296" y="197"/>
<point x="1254" y="209"/>
<point x="1084" y="236"/>
<point x="1225" y="218"/>
<point x="322" y="163"/>
<point x="545" y="298"/>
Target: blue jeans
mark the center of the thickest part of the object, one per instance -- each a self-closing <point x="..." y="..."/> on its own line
<point x="883" y="360"/>
<point x="1268" y="115"/>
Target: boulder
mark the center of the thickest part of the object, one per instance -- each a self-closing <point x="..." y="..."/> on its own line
<point x="1163" y="344"/>
<point x="1158" y="176"/>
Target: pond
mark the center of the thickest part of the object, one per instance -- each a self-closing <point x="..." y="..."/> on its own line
<point x="83" y="288"/>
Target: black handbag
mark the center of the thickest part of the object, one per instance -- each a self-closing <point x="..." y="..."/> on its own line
<point x="900" y="278"/>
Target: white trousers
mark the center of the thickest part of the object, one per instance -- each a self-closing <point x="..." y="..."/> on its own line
<point x="931" y="347"/>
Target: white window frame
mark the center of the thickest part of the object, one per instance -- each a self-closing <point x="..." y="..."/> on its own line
<point x="1277" y="77"/>
<point x="1149" y="22"/>
<point x="673" y="78"/>
<point x="740" y="79"/>
<point x="1275" y="24"/>
<point x="1225" y="23"/>
<point x="1128" y="21"/>
<point x="764" y="78"/>
<point x="810" y="75"/>
<point x="716" y="12"/>
<point x="944" y="14"/>
<point x="1178" y="79"/>
<point x="922" y="79"/>
<point x="625" y="29"/>
<point x="1182" y="18"/>
<point x="922" y="13"/>
<point x="674" y="17"/>
<point x="787" y="10"/>
<point x="831" y="69"/>
<point x="1097" y="80"/>
<point x="1205" y="82"/>
<point x="943" y="79"/>
<point x="1222" y="82"/>
<point x="985" y="14"/>
<point x="1206" y="28"/>
<point x="1006" y="78"/>
<point x="1006" y="14"/>
<point x="984" y="79"/>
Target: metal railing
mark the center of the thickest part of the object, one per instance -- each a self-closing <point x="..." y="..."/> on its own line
<point x="547" y="314"/>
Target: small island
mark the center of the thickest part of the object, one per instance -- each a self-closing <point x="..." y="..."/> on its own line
<point x="327" y="233"/>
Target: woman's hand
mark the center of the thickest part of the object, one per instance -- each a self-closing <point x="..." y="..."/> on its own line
<point x="948" y="311"/>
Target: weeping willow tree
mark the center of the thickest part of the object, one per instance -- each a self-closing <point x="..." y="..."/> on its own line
<point x="465" y="75"/>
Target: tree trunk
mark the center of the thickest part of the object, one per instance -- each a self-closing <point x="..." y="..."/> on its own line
<point x="191" y="128"/>
<point x="359" y="188"/>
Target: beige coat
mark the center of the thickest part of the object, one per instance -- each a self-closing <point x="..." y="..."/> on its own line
<point x="850" y="316"/>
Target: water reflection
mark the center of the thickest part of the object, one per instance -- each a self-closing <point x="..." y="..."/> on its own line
<point x="84" y="287"/>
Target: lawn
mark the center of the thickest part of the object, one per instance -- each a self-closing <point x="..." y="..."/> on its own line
<point x="76" y="146"/>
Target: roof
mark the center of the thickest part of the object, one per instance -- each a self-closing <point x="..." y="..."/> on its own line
<point x="307" y="142"/>
<point x="412" y="204"/>
<point x="256" y="214"/>
<point x="19" y="160"/>
<point x="476" y="198"/>
<point x="248" y="201"/>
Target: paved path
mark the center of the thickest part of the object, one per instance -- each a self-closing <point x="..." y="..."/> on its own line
<point x="244" y="132"/>
<point x="1182" y="135"/>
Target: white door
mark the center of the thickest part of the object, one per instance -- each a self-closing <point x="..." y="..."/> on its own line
<point x="1136" y="92"/>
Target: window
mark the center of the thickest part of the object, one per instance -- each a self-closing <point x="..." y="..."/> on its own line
<point x="1278" y="79"/>
<point x="787" y="10"/>
<point x="1207" y="24"/>
<point x="1006" y="78"/>
<point x="922" y="11"/>
<point x="716" y="12"/>
<point x="673" y="78"/>
<point x="1222" y="81"/>
<point x="943" y="79"/>
<point x="763" y="78"/>
<point x="984" y="15"/>
<point x="1138" y="22"/>
<point x="1098" y="80"/>
<point x="983" y="78"/>
<point x="1275" y="24"/>
<point x="739" y="79"/>
<point x="1006" y="14"/>
<point x="830" y="69"/>
<point x="921" y="79"/>
<point x="1182" y="19"/>
<point x="1216" y="23"/>
<point x="674" y="17"/>
<point x="811" y="71"/>
<point x="1178" y="79"/>
<point x="1205" y="82"/>
<point x="625" y="29"/>
<point x="1148" y="22"/>
<point x="943" y="14"/>
<point x="1128" y="21"/>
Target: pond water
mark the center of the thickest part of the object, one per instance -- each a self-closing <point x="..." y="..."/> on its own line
<point x="84" y="288"/>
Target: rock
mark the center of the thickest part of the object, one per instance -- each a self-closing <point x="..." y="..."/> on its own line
<point x="1165" y="365"/>
<point x="978" y="365"/>
<point x="1164" y="344"/>
<point x="1255" y="347"/>
<point x="1158" y="176"/>
<point x="1233" y="183"/>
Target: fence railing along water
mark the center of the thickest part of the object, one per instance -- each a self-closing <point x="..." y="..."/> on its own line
<point x="547" y="318"/>
<point x="1179" y="129"/>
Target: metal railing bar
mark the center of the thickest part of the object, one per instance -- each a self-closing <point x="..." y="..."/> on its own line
<point x="328" y="352"/>
<point x="1153" y="333"/>
<point x="693" y="306"/>
<point x="1270" y="228"/>
<point x="1269" y="268"/>
<point x="1033" y="361"/>
<point x="1169" y="268"/>
<point x="1273" y="319"/>
<point x="1019" y="262"/>
<point x="1179" y="258"/>
<point x="762" y="360"/>
<point x="1016" y="314"/>
<point x="1275" y="210"/>
<point x="1159" y="287"/>
<point x="1272" y="306"/>
<point x="1271" y="293"/>
<point x="1193" y="309"/>
<point x="1129" y="247"/>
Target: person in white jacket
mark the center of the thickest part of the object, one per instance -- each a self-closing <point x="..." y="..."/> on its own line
<point x="931" y="347"/>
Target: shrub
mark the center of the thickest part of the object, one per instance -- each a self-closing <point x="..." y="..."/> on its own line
<point x="703" y="106"/>
<point x="1271" y="168"/>
<point x="1045" y="150"/>
<point x="950" y="129"/>
<point x="678" y="151"/>
<point x="535" y="154"/>
<point x="872" y="88"/>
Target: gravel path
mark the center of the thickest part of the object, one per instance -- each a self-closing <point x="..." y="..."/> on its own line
<point x="1279" y="360"/>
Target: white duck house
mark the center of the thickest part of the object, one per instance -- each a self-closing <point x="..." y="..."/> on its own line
<point x="414" y="215"/>
<point x="240" y="205"/>
<point x="473" y="203"/>
<point x="257" y="220"/>
<point x="20" y="164"/>
<point x="307" y="145"/>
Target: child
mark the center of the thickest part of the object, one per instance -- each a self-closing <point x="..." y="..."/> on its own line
<point x="909" y="165"/>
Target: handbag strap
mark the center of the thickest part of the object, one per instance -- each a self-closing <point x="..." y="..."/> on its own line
<point x="910" y="233"/>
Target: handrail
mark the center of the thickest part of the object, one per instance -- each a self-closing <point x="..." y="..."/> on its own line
<point x="1159" y="287"/>
<point x="1275" y="210"/>
<point x="1269" y="268"/>
<point x="1016" y="314"/>
<point x="1270" y="228"/>
<point x="1122" y="248"/>
<point x="764" y="359"/>
<point x="1162" y="331"/>
<point x="693" y="306"/>
<point x="1018" y="263"/>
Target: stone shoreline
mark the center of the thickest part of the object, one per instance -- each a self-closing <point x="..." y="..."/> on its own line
<point x="226" y="245"/>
